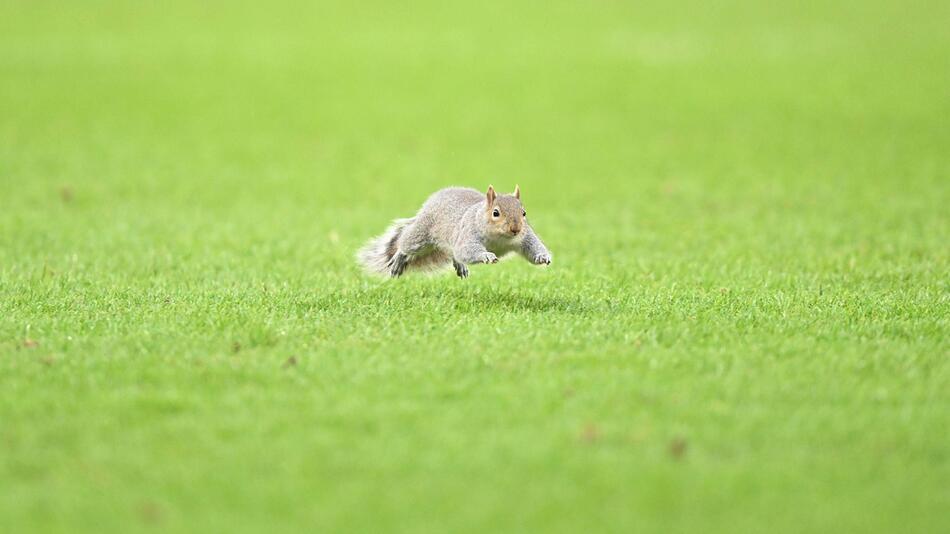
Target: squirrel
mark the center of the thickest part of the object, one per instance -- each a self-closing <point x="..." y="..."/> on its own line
<point x="458" y="225"/>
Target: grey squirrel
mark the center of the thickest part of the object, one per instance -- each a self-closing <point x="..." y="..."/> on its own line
<point x="458" y="225"/>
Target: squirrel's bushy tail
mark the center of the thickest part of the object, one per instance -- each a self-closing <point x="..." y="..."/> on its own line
<point x="375" y="255"/>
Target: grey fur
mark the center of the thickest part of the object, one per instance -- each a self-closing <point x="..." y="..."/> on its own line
<point x="455" y="226"/>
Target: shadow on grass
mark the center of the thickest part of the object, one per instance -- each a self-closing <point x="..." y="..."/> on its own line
<point x="447" y="299"/>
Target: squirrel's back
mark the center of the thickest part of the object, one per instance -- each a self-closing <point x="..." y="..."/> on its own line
<point x="452" y="200"/>
<point x="442" y="212"/>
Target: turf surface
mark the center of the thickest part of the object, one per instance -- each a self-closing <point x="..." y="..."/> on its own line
<point x="745" y="327"/>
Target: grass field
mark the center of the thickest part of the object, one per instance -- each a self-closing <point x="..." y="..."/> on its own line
<point x="745" y="327"/>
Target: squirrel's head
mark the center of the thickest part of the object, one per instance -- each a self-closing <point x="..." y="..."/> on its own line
<point x="506" y="215"/>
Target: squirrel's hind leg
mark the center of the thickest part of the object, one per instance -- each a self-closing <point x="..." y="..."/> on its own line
<point x="460" y="269"/>
<point x="413" y="249"/>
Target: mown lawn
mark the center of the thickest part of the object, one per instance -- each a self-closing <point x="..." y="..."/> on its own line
<point x="745" y="327"/>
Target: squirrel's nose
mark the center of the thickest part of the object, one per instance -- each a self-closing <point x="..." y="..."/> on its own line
<point x="515" y="230"/>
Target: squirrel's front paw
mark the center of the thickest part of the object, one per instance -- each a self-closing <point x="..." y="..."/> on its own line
<point x="543" y="259"/>
<point x="489" y="258"/>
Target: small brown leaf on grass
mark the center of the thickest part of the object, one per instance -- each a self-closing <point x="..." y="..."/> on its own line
<point x="235" y="347"/>
<point x="31" y="343"/>
<point x="590" y="434"/>
<point x="151" y="513"/>
<point x="291" y="362"/>
<point x="66" y="193"/>
<point x="677" y="448"/>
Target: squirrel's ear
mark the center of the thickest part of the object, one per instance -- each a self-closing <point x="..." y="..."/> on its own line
<point x="517" y="192"/>
<point x="490" y="196"/>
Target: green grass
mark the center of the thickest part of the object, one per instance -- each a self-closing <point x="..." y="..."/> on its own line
<point x="745" y="328"/>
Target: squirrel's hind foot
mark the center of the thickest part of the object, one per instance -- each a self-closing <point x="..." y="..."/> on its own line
<point x="460" y="269"/>
<point x="397" y="265"/>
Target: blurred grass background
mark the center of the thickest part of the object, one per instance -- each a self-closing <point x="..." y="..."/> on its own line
<point x="745" y="326"/>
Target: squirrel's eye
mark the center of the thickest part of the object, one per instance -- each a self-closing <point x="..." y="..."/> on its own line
<point x="524" y="213"/>
<point x="496" y="213"/>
